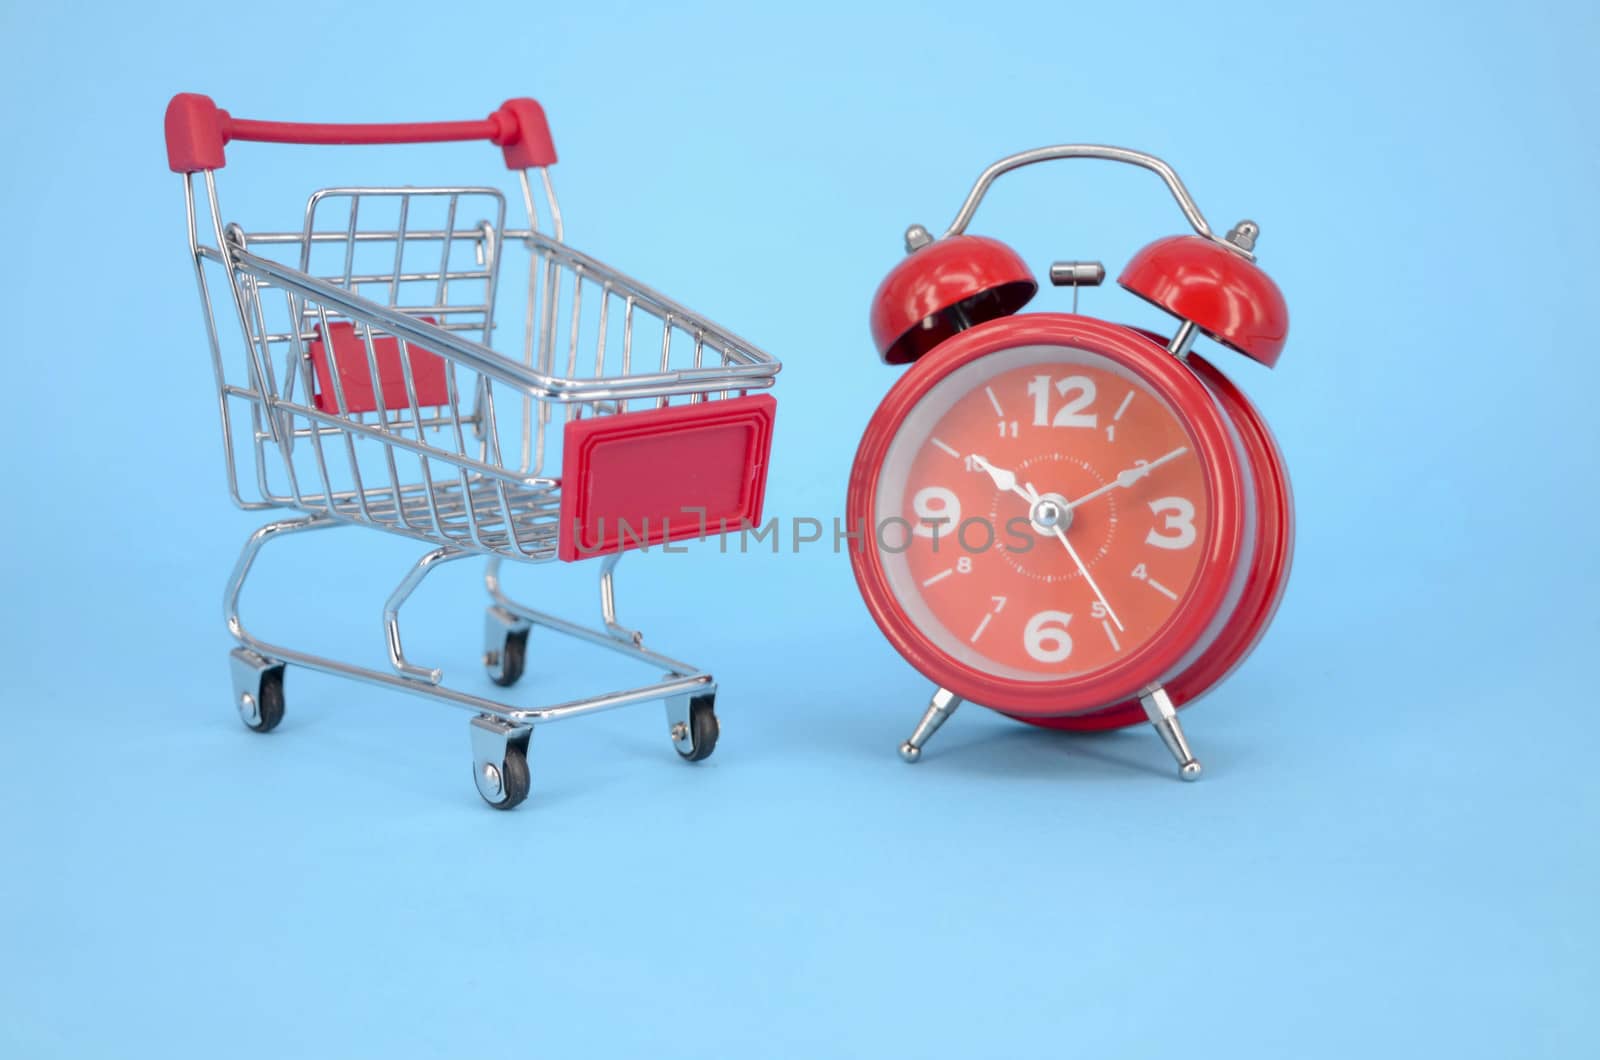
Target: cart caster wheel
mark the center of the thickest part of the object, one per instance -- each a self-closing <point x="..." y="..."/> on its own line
<point x="506" y="665"/>
<point x="500" y="761"/>
<point x="257" y="690"/>
<point x="506" y="784"/>
<point x="702" y="731"/>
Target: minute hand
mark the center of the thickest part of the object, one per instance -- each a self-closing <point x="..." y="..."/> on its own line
<point x="1128" y="478"/>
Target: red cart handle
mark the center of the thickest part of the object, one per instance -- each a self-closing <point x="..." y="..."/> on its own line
<point x="197" y="130"/>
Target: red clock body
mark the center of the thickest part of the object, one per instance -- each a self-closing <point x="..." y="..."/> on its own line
<point x="1060" y="617"/>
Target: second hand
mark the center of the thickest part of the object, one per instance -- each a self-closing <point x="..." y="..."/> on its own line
<point x="1084" y="570"/>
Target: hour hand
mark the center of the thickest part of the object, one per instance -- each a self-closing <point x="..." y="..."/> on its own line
<point x="1003" y="479"/>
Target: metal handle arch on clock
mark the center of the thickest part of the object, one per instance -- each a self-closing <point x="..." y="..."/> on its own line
<point x="1104" y="153"/>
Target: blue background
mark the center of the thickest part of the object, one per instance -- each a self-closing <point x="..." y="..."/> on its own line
<point x="1394" y="851"/>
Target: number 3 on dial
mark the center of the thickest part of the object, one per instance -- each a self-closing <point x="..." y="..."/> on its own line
<point x="1045" y="636"/>
<point x="1179" y="520"/>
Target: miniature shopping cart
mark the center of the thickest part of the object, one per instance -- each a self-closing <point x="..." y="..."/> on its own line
<point x="364" y="390"/>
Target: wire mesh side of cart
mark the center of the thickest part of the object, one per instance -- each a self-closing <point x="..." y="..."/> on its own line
<point x="357" y="379"/>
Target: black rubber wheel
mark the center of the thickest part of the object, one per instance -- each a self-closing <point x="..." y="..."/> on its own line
<point x="269" y="701"/>
<point x="514" y="779"/>
<point x="513" y="659"/>
<point x="703" y="728"/>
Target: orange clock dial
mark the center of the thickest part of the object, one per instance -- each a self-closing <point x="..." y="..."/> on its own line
<point x="1041" y="513"/>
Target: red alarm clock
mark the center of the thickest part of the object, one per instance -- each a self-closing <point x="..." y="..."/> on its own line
<point x="1080" y="524"/>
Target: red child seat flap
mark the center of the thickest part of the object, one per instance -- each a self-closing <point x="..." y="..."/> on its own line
<point x="637" y="479"/>
<point x="355" y="372"/>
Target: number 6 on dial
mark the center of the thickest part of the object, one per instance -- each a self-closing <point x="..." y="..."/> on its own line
<point x="1046" y="638"/>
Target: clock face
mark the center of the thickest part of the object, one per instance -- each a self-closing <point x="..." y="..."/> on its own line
<point x="1041" y="513"/>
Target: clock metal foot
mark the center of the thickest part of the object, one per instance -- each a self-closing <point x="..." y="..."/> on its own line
<point x="1164" y="716"/>
<point x="943" y="705"/>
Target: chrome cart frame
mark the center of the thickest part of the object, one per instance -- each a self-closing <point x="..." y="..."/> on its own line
<point x="364" y="391"/>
